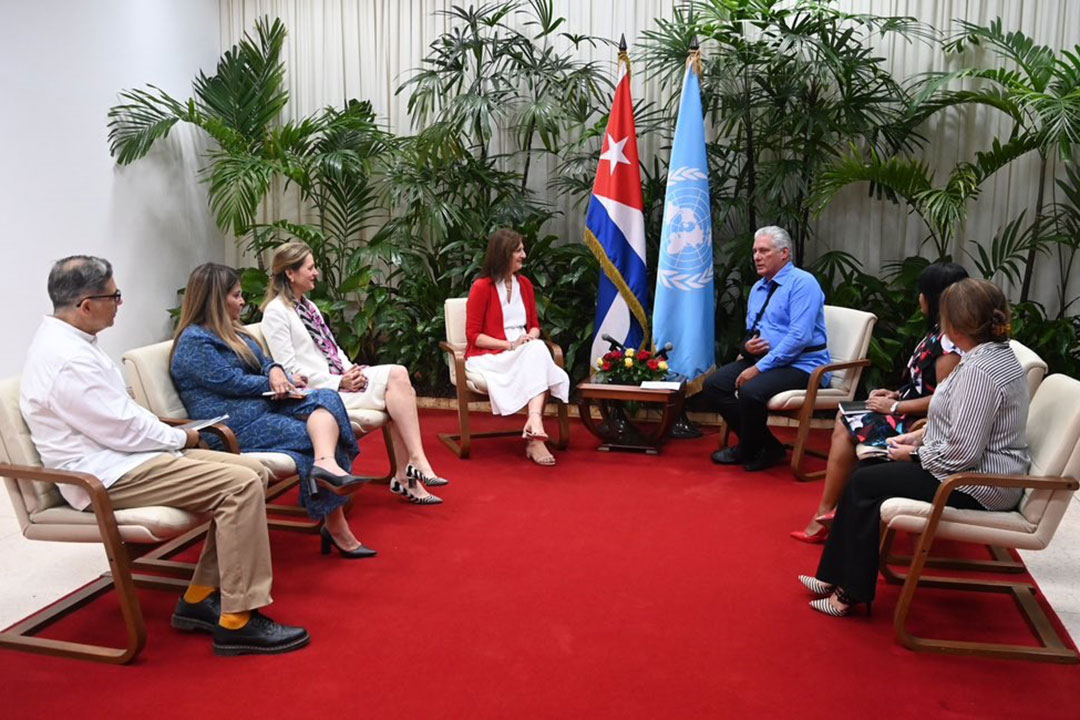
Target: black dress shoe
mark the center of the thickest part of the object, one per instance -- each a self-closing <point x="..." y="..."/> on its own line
<point x="201" y="616"/>
<point x="261" y="635"/>
<point x="728" y="456"/>
<point x="770" y="455"/>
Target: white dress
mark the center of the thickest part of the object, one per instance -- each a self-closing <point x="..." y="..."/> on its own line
<point x="514" y="377"/>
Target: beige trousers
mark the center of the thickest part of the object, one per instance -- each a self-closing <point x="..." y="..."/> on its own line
<point x="236" y="554"/>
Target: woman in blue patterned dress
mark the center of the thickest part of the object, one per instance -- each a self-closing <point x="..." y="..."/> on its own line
<point x="219" y="368"/>
<point x="890" y="411"/>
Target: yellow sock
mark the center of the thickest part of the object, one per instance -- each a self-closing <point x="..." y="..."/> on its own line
<point x="197" y="593"/>
<point x="234" y="621"/>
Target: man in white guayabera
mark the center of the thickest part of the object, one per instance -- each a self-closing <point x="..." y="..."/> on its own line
<point x="785" y="340"/>
<point x="81" y="418"/>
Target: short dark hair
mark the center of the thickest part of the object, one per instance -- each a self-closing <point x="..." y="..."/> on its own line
<point x="501" y="246"/>
<point x="933" y="280"/>
<point x="978" y="309"/>
<point x="76" y="276"/>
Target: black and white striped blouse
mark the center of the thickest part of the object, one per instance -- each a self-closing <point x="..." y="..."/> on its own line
<point x="977" y="422"/>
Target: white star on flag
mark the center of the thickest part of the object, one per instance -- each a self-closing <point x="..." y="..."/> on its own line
<point x="614" y="154"/>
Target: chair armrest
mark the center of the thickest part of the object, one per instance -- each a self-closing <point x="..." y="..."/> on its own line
<point x="814" y="383"/>
<point x="457" y="356"/>
<point x="219" y="430"/>
<point x="988" y="480"/>
<point x="815" y="377"/>
<point x="99" y="497"/>
<point x="556" y="353"/>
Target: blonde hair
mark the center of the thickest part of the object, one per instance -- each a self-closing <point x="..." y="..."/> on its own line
<point x="290" y="256"/>
<point x="205" y="304"/>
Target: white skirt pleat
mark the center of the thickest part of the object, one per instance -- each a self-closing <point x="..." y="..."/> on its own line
<point x="514" y="377"/>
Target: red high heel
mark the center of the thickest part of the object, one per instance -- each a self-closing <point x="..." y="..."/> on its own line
<point x="816" y="538"/>
<point x="827" y="518"/>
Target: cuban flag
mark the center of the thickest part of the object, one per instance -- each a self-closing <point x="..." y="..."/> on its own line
<point x="684" y="306"/>
<point x="615" y="228"/>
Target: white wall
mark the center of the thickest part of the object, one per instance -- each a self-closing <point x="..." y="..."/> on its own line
<point x="62" y="63"/>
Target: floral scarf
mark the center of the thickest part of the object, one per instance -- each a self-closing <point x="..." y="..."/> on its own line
<point x="320" y="333"/>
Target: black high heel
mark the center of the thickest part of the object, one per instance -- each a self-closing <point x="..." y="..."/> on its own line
<point x="327" y="540"/>
<point x="337" y="484"/>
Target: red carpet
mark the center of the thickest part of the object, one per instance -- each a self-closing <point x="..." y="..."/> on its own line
<point x="610" y="586"/>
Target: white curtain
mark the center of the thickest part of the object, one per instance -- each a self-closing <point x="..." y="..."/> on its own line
<point x="340" y="49"/>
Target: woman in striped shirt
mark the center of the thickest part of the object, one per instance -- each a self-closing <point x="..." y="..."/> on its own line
<point x="976" y="423"/>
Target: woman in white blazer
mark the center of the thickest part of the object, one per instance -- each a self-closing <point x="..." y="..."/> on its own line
<point x="301" y="341"/>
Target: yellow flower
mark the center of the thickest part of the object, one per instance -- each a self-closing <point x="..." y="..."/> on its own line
<point x="628" y="362"/>
<point x="629" y="352"/>
<point x="599" y="362"/>
<point x="662" y="365"/>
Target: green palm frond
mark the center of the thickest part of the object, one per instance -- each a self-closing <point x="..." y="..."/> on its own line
<point x="143" y="119"/>
<point x="238" y="183"/>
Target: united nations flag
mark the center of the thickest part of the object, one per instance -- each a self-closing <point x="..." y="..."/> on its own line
<point x="684" y="303"/>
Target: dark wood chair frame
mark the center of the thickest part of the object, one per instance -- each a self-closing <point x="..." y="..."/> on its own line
<point x="124" y="562"/>
<point x="1052" y="648"/>
<point x="461" y="443"/>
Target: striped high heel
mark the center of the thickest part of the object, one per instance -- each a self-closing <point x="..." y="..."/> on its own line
<point x="408" y="491"/>
<point x="412" y="472"/>
<point x="824" y="605"/>
<point x="816" y="586"/>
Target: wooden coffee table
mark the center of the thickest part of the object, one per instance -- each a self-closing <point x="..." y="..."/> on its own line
<point x="615" y="430"/>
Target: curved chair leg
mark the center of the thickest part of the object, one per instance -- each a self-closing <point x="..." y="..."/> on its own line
<point x="564" y="427"/>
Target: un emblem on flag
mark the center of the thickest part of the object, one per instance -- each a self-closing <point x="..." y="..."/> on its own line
<point x="686" y="260"/>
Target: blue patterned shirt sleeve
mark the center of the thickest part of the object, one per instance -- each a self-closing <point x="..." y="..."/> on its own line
<point x="198" y="351"/>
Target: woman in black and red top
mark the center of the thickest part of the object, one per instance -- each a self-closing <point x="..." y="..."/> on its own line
<point x="890" y="411"/>
<point x="500" y="325"/>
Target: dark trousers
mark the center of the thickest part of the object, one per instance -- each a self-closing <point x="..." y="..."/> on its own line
<point x="850" y="558"/>
<point x="745" y="412"/>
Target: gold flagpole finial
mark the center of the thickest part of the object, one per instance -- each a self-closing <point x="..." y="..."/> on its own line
<point x="694" y="58"/>
<point x="624" y="56"/>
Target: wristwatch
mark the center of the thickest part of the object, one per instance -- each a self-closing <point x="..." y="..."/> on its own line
<point x="895" y="405"/>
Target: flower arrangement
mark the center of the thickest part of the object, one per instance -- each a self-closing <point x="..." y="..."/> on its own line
<point x="629" y="367"/>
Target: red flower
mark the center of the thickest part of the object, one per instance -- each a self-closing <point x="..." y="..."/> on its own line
<point x="606" y="366"/>
<point x="607" y="356"/>
<point x="643" y="355"/>
<point x="654" y="364"/>
<point x="616" y="355"/>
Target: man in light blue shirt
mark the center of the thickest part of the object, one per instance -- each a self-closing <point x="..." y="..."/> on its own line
<point x="785" y="342"/>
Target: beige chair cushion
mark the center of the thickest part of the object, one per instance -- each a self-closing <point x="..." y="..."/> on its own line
<point x="1053" y="433"/>
<point x="849" y="334"/>
<point x="16" y="448"/>
<point x="42" y="512"/>
<point x="454" y="311"/>
<point x="1033" y="365"/>
<point x="152" y="387"/>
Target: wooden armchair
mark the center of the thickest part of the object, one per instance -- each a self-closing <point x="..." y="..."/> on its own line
<point x="135" y="539"/>
<point x="152" y="387"/>
<point x="849" y="334"/>
<point x="1053" y="433"/>
<point x="471" y="388"/>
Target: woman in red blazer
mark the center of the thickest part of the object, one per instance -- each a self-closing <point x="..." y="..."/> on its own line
<point x="500" y="325"/>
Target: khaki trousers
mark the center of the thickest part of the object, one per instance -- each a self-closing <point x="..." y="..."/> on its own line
<point x="236" y="555"/>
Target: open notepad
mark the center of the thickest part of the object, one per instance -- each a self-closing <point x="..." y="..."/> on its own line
<point x="200" y="424"/>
